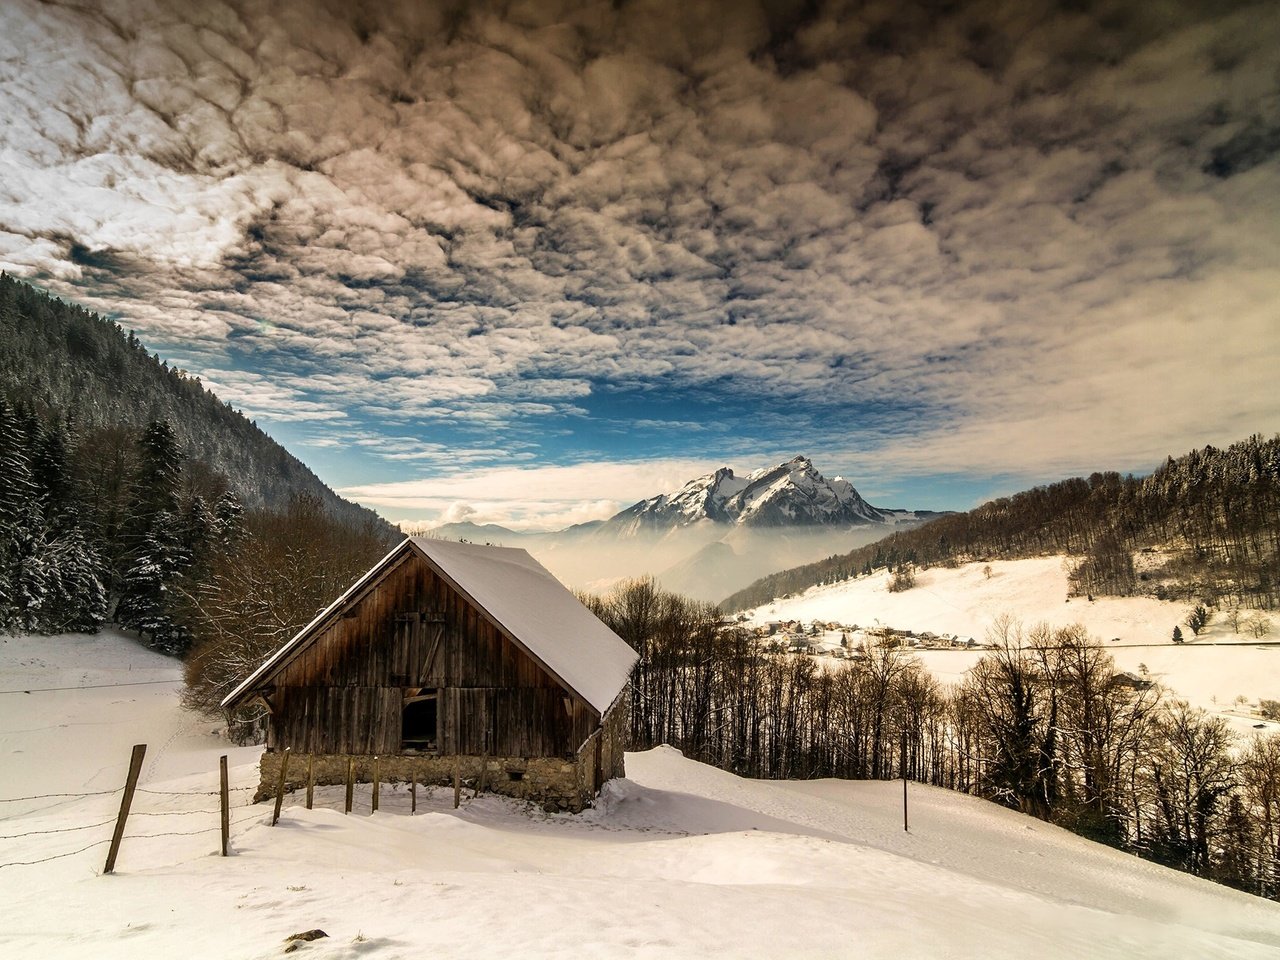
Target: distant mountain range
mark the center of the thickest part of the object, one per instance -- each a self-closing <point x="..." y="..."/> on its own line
<point x="714" y="535"/>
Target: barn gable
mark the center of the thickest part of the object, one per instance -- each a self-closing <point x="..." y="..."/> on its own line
<point x="506" y="587"/>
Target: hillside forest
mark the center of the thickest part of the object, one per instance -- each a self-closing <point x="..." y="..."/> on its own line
<point x="63" y="364"/>
<point x="127" y="489"/>
<point x="1211" y="517"/>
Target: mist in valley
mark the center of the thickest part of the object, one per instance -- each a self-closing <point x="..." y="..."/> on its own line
<point x="704" y="561"/>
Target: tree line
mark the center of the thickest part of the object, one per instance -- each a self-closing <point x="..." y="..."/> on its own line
<point x="1044" y="723"/>
<point x="1213" y="513"/>
<point x="94" y="524"/>
<point x="109" y="523"/>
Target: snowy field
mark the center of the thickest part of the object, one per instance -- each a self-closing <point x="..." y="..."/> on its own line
<point x="1210" y="671"/>
<point x="681" y="860"/>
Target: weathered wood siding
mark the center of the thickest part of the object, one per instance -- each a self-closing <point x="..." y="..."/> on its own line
<point x="410" y="631"/>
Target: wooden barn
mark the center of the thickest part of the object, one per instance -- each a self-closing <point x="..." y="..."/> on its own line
<point x="446" y="657"/>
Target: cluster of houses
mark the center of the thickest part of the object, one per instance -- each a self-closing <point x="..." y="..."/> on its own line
<point x="847" y="642"/>
<point x="839" y="640"/>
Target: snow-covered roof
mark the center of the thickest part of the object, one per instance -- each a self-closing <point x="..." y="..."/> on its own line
<point x="540" y="613"/>
<point x="523" y="599"/>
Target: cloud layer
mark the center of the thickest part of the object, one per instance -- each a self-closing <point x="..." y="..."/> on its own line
<point x="978" y="238"/>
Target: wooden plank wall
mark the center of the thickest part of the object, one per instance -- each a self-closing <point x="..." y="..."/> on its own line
<point x="411" y="631"/>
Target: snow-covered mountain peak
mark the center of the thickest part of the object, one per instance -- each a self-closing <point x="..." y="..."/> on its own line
<point x="796" y="493"/>
<point x="793" y="493"/>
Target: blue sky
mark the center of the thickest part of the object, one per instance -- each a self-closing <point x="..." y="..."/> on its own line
<point x="528" y="263"/>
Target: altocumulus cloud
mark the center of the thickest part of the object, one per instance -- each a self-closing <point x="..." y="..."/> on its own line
<point x="1048" y="235"/>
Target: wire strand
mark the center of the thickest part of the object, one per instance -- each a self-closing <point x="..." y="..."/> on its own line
<point x="139" y="836"/>
<point x="192" y="833"/>
<point x="56" y="856"/>
<point x="34" y="833"/>
<point x="46" y="796"/>
<point x="189" y="793"/>
<point x="91" y="686"/>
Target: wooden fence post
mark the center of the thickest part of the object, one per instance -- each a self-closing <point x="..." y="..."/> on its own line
<point x="904" y="781"/>
<point x="413" y="790"/>
<point x="225" y="803"/>
<point x="377" y="782"/>
<point x="280" y="785"/>
<point x="351" y="780"/>
<point x="311" y="780"/>
<point x="457" y="781"/>
<point x="130" y="784"/>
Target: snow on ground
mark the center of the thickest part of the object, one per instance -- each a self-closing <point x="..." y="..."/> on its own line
<point x="65" y="740"/>
<point x="1210" y="671"/>
<point x="679" y="860"/>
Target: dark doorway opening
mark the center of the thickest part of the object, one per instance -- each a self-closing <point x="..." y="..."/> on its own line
<point x="419" y="725"/>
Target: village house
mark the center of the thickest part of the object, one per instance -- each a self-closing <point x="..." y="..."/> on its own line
<point x="451" y="658"/>
<point x="1131" y="681"/>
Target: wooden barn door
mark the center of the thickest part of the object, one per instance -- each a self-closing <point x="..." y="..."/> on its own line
<point x="404" y="645"/>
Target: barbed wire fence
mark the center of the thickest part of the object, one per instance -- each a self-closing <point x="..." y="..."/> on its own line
<point x="130" y="790"/>
<point x="127" y="793"/>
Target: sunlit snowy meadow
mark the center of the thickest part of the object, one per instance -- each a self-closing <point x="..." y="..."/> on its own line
<point x="677" y="860"/>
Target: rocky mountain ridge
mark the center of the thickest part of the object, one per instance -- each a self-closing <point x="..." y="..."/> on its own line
<point x="790" y="494"/>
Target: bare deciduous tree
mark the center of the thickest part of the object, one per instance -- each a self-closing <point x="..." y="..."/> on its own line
<point x="284" y="569"/>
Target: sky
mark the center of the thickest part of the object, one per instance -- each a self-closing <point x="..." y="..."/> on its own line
<point x="527" y="263"/>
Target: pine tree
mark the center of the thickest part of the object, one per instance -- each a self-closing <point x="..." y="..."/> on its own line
<point x="33" y="578"/>
<point x="229" y="515"/>
<point x="49" y="470"/>
<point x="17" y="485"/>
<point x="159" y="478"/>
<point x="17" y="502"/>
<point x="145" y="604"/>
<point x="81" y="603"/>
<point x="156" y="550"/>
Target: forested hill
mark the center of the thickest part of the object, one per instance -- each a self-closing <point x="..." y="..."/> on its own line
<point x="1204" y="526"/>
<point x="69" y="365"/>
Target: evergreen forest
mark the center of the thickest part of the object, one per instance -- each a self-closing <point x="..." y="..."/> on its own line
<point x="124" y="483"/>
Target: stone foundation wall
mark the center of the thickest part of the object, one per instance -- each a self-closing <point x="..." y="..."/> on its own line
<point x="554" y="783"/>
<point x="615" y="730"/>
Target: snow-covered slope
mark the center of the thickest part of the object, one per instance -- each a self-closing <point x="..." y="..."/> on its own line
<point x="680" y="860"/>
<point x="1210" y="670"/>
